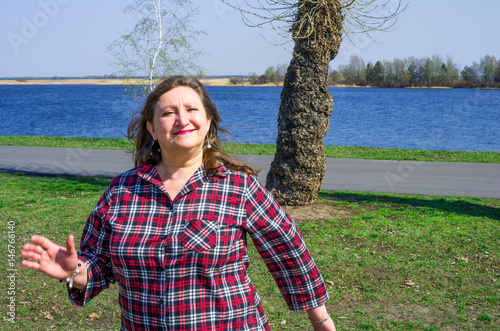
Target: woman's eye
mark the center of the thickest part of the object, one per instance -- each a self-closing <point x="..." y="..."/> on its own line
<point x="192" y="109"/>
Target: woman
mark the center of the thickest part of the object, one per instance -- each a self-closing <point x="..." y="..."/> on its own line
<point x="172" y="231"/>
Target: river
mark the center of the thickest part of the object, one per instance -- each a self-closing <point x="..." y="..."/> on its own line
<point x="439" y="119"/>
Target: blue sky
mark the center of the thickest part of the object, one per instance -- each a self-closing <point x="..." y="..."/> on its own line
<point x="70" y="37"/>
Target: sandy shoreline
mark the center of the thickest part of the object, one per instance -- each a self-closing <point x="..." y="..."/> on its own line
<point x="84" y="81"/>
<point x="62" y="82"/>
<point x="208" y="81"/>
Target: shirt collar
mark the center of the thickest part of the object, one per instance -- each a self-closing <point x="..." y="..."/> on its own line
<point x="148" y="172"/>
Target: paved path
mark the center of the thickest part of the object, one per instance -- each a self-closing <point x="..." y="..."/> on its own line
<point x="408" y="177"/>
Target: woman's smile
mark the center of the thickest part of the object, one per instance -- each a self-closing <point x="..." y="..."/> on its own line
<point x="183" y="132"/>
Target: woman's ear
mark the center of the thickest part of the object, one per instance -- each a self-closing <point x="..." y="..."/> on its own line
<point x="151" y="129"/>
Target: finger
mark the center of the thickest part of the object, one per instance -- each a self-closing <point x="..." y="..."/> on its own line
<point x="31" y="247"/>
<point x="27" y="253"/>
<point x="31" y="255"/>
<point x="30" y="264"/>
<point x="70" y="246"/>
<point x="42" y="241"/>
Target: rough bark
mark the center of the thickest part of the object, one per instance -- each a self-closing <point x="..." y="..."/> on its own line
<point x="299" y="165"/>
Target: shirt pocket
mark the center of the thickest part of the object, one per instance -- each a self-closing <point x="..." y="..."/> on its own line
<point x="200" y="235"/>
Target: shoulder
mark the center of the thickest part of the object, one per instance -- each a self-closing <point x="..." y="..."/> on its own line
<point x="225" y="174"/>
<point x="133" y="175"/>
<point x="248" y="185"/>
<point x="139" y="171"/>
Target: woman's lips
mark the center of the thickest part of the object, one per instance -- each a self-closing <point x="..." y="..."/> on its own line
<point x="183" y="132"/>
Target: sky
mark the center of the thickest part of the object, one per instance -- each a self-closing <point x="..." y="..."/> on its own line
<point x="69" y="38"/>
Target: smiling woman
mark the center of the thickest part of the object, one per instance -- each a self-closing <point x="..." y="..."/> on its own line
<point x="172" y="231"/>
<point x="180" y="126"/>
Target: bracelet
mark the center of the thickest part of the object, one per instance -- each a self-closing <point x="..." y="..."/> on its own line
<point x="319" y="322"/>
<point x="69" y="280"/>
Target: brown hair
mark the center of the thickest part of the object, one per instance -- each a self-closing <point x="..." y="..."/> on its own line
<point x="147" y="151"/>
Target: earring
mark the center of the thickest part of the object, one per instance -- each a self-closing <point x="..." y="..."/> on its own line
<point x="151" y="148"/>
<point x="208" y="142"/>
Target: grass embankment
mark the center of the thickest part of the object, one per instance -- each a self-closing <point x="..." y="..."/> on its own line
<point x="351" y="152"/>
<point x="390" y="261"/>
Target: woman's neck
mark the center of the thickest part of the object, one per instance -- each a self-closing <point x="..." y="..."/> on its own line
<point x="175" y="173"/>
<point x="172" y="169"/>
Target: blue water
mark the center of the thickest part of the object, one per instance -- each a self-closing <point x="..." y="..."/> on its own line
<point x="458" y="119"/>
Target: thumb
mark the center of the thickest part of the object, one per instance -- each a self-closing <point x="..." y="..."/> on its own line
<point x="70" y="246"/>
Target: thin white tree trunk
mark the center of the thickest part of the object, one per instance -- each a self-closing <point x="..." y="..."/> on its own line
<point x="160" y="43"/>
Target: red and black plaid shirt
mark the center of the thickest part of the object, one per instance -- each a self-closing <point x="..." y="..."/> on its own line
<point x="182" y="264"/>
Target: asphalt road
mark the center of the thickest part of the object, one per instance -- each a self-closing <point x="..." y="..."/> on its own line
<point x="407" y="177"/>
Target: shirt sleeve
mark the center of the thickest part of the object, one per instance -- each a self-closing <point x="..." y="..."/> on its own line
<point x="94" y="253"/>
<point x="281" y="246"/>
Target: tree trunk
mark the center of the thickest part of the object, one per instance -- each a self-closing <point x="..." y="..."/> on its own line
<point x="299" y="165"/>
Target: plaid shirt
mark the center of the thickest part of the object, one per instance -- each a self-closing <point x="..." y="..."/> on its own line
<point x="182" y="264"/>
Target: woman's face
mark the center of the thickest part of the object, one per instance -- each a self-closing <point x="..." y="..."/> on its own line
<point x="180" y="122"/>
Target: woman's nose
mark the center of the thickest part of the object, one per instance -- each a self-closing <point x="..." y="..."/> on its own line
<point x="182" y="118"/>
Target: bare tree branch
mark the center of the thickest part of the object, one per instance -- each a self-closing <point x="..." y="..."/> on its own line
<point x="359" y="16"/>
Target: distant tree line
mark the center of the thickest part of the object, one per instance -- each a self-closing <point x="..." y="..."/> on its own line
<point x="417" y="72"/>
<point x="409" y="72"/>
<point x="272" y="75"/>
<point x="111" y="76"/>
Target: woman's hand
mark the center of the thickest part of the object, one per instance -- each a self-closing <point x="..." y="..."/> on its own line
<point x="53" y="260"/>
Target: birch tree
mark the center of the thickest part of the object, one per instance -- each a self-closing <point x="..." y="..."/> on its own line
<point x="160" y="44"/>
<point x="316" y="28"/>
<point x="488" y="69"/>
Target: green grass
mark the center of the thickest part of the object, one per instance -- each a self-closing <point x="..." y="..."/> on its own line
<point x="66" y="142"/>
<point x="351" y="152"/>
<point x="53" y="207"/>
<point x="393" y="262"/>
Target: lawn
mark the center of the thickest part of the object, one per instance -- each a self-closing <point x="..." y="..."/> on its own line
<point x="390" y="261"/>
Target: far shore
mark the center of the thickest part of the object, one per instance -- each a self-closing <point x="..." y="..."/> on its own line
<point x="205" y="81"/>
<point x="85" y="81"/>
